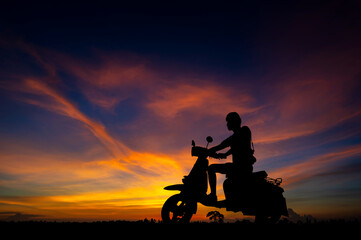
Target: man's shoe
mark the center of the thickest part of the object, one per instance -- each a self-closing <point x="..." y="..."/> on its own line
<point x="211" y="200"/>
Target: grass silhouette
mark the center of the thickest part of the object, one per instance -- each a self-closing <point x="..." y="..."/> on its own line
<point x="148" y="228"/>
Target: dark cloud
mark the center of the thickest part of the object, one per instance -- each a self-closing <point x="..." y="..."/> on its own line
<point x="347" y="169"/>
<point x="295" y="217"/>
<point x="18" y="216"/>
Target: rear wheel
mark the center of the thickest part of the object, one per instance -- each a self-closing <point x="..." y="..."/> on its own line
<point x="175" y="210"/>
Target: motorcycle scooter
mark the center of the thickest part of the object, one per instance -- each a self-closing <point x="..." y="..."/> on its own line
<point x="255" y="195"/>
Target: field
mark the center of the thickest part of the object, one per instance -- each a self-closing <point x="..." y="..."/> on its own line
<point x="202" y="230"/>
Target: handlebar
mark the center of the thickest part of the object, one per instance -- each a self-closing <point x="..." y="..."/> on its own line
<point x="199" y="152"/>
<point x="203" y="152"/>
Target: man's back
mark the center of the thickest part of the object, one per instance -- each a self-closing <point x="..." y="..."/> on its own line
<point x="240" y="144"/>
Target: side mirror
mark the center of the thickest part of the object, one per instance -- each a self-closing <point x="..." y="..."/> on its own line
<point x="209" y="140"/>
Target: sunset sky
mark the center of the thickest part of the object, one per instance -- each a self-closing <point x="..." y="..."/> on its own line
<point x="99" y="103"/>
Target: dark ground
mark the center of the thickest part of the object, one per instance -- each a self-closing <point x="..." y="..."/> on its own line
<point x="201" y="230"/>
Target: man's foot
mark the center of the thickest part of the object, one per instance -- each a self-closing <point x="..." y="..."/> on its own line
<point x="211" y="199"/>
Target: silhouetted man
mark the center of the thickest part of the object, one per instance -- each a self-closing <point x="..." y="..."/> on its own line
<point x="241" y="150"/>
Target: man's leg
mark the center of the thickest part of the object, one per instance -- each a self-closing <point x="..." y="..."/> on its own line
<point x="212" y="170"/>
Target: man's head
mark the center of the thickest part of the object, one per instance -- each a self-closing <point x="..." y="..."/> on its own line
<point x="233" y="121"/>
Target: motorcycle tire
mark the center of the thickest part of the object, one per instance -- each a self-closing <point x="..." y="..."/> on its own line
<point x="176" y="210"/>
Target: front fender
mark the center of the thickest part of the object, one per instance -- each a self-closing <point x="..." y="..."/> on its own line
<point x="178" y="187"/>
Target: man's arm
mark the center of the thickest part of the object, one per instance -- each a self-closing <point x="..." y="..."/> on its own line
<point x="223" y="145"/>
<point x="229" y="152"/>
<point x="224" y="155"/>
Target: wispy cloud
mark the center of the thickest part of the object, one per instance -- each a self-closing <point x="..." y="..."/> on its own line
<point x="205" y="99"/>
<point x="60" y="105"/>
<point x="123" y="158"/>
<point x="304" y="104"/>
<point x="318" y="166"/>
<point x="18" y="216"/>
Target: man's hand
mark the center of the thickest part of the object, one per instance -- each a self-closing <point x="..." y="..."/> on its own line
<point x="221" y="155"/>
<point x="213" y="154"/>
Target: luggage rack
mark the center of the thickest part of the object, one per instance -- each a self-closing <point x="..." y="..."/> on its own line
<point x="274" y="181"/>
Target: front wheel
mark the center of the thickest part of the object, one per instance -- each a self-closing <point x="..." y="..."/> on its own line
<point x="176" y="210"/>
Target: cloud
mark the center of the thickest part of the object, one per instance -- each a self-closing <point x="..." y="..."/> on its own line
<point x="107" y="81"/>
<point x="301" y="107"/>
<point x="309" y="93"/>
<point x="105" y="204"/>
<point x="112" y="82"/>
<point x="116" y="77"/>
<point x="17" y="216"/>
<point x="124" y="170"/>
<point x="298" y="107"/>
<point x="317" y="166"/>
<point x="298" y="103"/>
<point x="123" y="158"/>
<point x="60" y="105"/>
<point x="205" y="99"/>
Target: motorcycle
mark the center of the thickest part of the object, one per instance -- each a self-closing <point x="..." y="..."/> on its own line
<point x="255" y="195"/>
